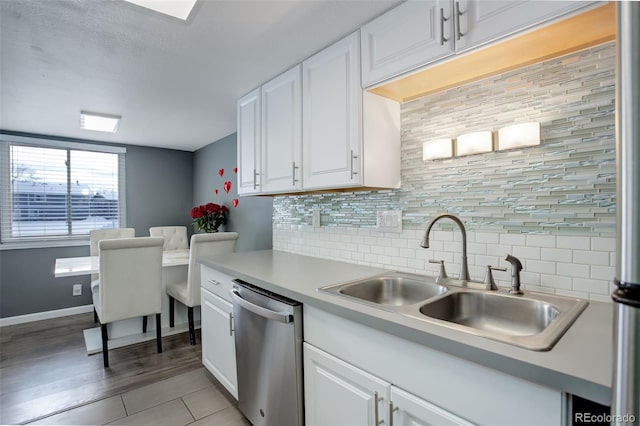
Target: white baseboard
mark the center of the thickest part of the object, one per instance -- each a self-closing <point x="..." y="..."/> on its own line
<point x="38" y="316"/>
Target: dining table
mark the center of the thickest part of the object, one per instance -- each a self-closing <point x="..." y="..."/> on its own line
<point x="175" y="266"/>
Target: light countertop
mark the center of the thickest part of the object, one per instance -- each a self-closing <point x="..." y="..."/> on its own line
<point x="580" y="363"/>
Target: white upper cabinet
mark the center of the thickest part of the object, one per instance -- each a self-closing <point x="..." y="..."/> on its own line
<point x="349" y="138"/>
<point x="249" y="143"/>
<point x="405" y="38"/>
<point x="314" y="128"/>
<point x="420" y="32"/>
<point x="481" y="21"/>
<point x="282" y="132"/>
<point x="332" y="115"/>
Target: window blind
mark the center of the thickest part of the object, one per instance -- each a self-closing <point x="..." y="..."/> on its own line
<point x="54" y="190"/>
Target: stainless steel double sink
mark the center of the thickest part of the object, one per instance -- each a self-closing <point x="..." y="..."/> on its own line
<point x="534" y="321"/>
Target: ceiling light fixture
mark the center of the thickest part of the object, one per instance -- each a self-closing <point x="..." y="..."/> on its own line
<point x="99" y="122"/>
<point x="176" y="8"/>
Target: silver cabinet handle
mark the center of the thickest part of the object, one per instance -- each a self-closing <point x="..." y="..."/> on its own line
<point x="459" y="34"/>
<point x="391" y="410"/>
<point x="214" y="282"/>
<point x="353" y="172"/>
<point x="255" y="179"/>
<point x="376" y="411"/>
<point x="230" y="324"/>
<point x="442" y="21"/>
<point x="259" y="310"/>
<point x="293" y="173"/>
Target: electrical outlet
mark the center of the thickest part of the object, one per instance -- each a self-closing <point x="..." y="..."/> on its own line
<point x="389" y="220"/>
<point x="77" y="289"/>
<point x="316" y="218"/>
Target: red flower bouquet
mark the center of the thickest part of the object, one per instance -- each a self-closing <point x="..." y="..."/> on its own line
<point x="209" y="217"/>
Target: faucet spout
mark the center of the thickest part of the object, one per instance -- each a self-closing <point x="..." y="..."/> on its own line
<point x="464" y="271"/>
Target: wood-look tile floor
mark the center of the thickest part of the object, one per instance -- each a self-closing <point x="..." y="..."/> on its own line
<point x="46" y="377"/>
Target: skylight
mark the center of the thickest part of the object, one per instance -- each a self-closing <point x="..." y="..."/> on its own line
<point x="176" y="8"/>
<point x="99" y="122"/>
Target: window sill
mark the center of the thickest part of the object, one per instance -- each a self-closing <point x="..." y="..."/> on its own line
<point x="19" y="245"/>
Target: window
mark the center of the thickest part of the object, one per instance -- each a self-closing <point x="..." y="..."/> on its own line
<point x="55" y="190"/>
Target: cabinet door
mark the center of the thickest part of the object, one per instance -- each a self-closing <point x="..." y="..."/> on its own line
<point x="218" y="343"/>
<point x="336" y="393"/>
<point x="409" y="410"/>
<point x="332" y="116"/>
<point x="411" y="35"/>
<point x="483" y="21"/>
<point x="249" y="143"/>
<point x="282" y="132"/>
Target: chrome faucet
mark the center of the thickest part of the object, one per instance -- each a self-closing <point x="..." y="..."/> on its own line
<point x="516" y="267"/>
<point x="464" y="271"/>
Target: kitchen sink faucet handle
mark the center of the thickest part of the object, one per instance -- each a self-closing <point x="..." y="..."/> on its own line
<point x="442" y="273"/>
<point x="489" y="283"/>
<point x="516" y="267"/>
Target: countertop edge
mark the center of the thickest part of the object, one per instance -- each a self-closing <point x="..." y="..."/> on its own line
<point x="525" y="370"/>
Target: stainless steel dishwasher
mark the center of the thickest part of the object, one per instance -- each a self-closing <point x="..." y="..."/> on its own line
<point x="268" y="333"/>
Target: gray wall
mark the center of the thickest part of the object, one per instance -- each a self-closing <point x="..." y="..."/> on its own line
<point x="252" y="217"/>
<point x="159" y="192"/>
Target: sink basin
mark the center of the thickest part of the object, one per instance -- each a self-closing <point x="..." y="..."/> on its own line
<point x="492" y="313"/>
<point x="535" y="321"/>
<point x="389" y="290"/>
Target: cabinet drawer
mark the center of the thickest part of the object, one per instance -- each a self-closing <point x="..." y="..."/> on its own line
<point x="216" y="282"/>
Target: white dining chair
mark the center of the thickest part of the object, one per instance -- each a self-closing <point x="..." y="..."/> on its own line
<point x="175" y="237"/>
<point x="188" y="292"/>
<point x="97" y="235"/>
<point x="130" y="284"/>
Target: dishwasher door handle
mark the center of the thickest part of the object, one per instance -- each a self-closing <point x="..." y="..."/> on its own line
<point x="259" y="310"/>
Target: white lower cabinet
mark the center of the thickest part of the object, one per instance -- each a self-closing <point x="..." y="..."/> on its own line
<point x="338" y="393"/>
<point x="409" y="410"/>
<point x="218" y="341"/>
<point x="346" y="362"/>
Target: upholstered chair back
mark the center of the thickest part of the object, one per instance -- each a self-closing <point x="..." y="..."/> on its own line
<point x="97" y="235"/>
<point x="175" y="237"/>
<point x="205" y="245"/>
<point x="130" y="278"/>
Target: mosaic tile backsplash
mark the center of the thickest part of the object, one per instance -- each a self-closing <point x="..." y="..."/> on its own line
<point x="563" y="188"/>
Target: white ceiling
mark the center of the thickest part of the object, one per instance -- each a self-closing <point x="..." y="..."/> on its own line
<point x="174" y="83"/>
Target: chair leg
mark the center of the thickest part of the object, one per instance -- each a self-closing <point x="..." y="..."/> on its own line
<point x="144" y="324"/>
<point x="192" y="329"/>
<point x="105" y="348"/>
<point x="95" y="316"/>
<point x="158" y="333"/>
<point x="171" y="311"/>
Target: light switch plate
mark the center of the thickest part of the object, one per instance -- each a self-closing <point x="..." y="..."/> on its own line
<point x="389" y="220"/>
<point x="77" y="289"/>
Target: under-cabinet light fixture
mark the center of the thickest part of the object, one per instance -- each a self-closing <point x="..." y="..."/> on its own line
<point x="519" y="135"/>
<point x="474" y="143"/>
<point x="177" y="8"/>
<point x="99" y="122"/>
<point x="437" y="149"/>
